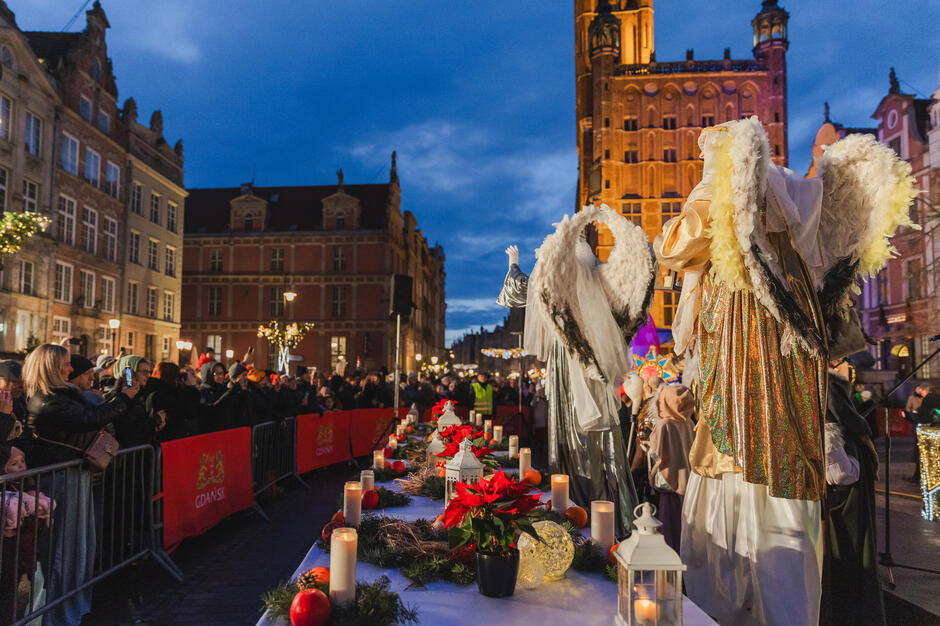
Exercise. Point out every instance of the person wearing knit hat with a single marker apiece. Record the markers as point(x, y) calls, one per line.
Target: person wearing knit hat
point(83, 377)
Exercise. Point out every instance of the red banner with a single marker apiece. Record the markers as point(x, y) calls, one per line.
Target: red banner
point(900, 427)
point(511, 421)
point(205, 479)
point(322, 441)
point(367, 425)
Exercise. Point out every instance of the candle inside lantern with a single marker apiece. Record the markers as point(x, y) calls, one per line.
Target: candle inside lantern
point(602, 524)
point(400, 430)
point(378, 459)
point(645, 611)
point(560, 493)
point(525, 461)
point(392, 442)
point(497, 433)
point(367, 478)
point(343, 544)
point(488, 426)
point(352, 503)
point(513, 446)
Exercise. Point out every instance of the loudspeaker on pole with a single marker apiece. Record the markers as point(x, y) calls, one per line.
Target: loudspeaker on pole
point(400, 302)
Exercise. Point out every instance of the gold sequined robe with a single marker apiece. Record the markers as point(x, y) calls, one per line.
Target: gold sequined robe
point(759, 409)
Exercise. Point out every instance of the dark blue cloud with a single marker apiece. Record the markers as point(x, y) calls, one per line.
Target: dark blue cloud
point(477, 97)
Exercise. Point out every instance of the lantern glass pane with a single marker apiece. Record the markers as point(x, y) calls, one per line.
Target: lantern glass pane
point(644, 601)
point(623, 593)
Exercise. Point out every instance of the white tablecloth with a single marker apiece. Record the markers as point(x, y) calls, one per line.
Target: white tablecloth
point(580, 598)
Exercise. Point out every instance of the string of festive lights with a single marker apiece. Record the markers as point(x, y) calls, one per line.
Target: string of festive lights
point(15, 228)
point(504, 353)
point(288, 337)
point(928, 441)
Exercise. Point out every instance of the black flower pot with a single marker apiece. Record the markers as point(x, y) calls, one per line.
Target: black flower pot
point(496, 573)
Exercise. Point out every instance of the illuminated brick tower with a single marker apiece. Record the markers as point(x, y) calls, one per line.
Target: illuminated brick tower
point(638, 120)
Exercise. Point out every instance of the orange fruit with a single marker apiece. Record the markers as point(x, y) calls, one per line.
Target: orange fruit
point(610, 554)
point(533, 477)
point(338, 518)
point(577, 516)
point(320, 574)
point(388, 465)
point(410, 429)
point(441, 471)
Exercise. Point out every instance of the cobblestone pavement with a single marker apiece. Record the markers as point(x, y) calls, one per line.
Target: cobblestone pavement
point(227, 569)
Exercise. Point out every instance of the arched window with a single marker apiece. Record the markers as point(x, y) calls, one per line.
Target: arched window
point(729, 112)
point(96, 70)
point(6, 57)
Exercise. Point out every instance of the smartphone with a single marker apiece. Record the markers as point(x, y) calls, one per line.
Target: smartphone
point(251, 349)
point(75, 341)
point(128, 377)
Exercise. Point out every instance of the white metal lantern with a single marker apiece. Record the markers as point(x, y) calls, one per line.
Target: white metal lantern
point(412, 416)
point(463, 468)
point(449, 418)
point(649, 575)
point(435, 447)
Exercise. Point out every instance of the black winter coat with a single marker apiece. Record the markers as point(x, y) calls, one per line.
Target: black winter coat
point(65, 416)
point(162, 396)
point(221, 405)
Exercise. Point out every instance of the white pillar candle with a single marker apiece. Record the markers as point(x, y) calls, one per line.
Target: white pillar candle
point(560, 493)
point(513, 446)
point(472, 418)
point(367, 478)
point(400, 430)
point(392, 442)
point(378, 459)
point(343, 544)
point(352, 503)
point(497, 433)
point(488, 426)
point(602, 524)
point(525, 461)
point(645, 611)
point(477, 419)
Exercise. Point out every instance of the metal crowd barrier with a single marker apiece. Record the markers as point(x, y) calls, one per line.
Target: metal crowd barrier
point(65, 528)
point(274, 453)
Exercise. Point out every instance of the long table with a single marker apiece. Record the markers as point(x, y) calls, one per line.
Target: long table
point(579, 598)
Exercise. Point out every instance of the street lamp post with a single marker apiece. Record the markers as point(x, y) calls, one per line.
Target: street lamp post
point(283, 357)
point(180, 347)
point(114, 323)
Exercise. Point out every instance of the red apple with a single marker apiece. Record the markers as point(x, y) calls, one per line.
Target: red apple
point(311, 607)
point(370, 499)
point(398, 466)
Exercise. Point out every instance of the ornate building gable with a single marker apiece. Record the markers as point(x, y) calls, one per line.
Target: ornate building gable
point(341, 211)
point(248, 211)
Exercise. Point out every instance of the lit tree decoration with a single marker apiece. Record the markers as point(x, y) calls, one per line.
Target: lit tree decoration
point(284, 339)
point(15, 228)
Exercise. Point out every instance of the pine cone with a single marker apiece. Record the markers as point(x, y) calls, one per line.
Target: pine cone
point(307, 580)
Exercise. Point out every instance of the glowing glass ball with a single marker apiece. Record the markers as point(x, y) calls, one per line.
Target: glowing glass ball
point(531, 571)
point(555, 552)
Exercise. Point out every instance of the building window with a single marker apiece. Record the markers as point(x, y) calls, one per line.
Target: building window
point(606, 154)
point(69, 159)
point(6, 57)
point(669, 122)
point(137, 199)
point(65, 224)
point(33, 135)
point(895, 144)
point(913, 274)
point(171, 209)
point(607, 184)
point(133, 248)
point(669, 155)
point(170, 268)
point(84, 108)
point(337, 351)
point(606, 122)
point(151, 301)
point(631, 156)
point(30, 195)
point(276, 303)
point(155, 208)
point(3, 189)
point(777, 116)
point(169, 306)
point(215, 261)
point(63, 283)
point(670, 210)
point(26, 277)
point(339, 259)
point(89, 230)
point(215, 301)
point(6, 117)
point(340, 221)
point(92, 167)
point(708, 120)
point(633, 211)
point(61, 329)
point(153, 255)
point(104, 122)
point(150, 347)
point(109, 234)
point(630, 123)
point(670, 300)
point(881, 284)
point(112, 183)
point(214, 342)
point(166, 347)
point(130, 340)
point(107, 294)
point(926, 371)
point(133, 293)
point(96, 70)
point(339, 302)
point(277, 259)
point(86, 289)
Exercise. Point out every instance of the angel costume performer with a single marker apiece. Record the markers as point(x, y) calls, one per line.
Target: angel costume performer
point(580, 317)
point(769, 258)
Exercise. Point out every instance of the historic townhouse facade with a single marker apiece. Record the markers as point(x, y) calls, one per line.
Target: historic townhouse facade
point(73, 155)
point(335, 246)
point(638, 119)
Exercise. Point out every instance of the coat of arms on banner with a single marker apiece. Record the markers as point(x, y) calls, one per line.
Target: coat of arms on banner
point(325, 435)
point(211, 470)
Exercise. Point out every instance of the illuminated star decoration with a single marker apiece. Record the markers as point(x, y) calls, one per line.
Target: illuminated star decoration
point(653, 365)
